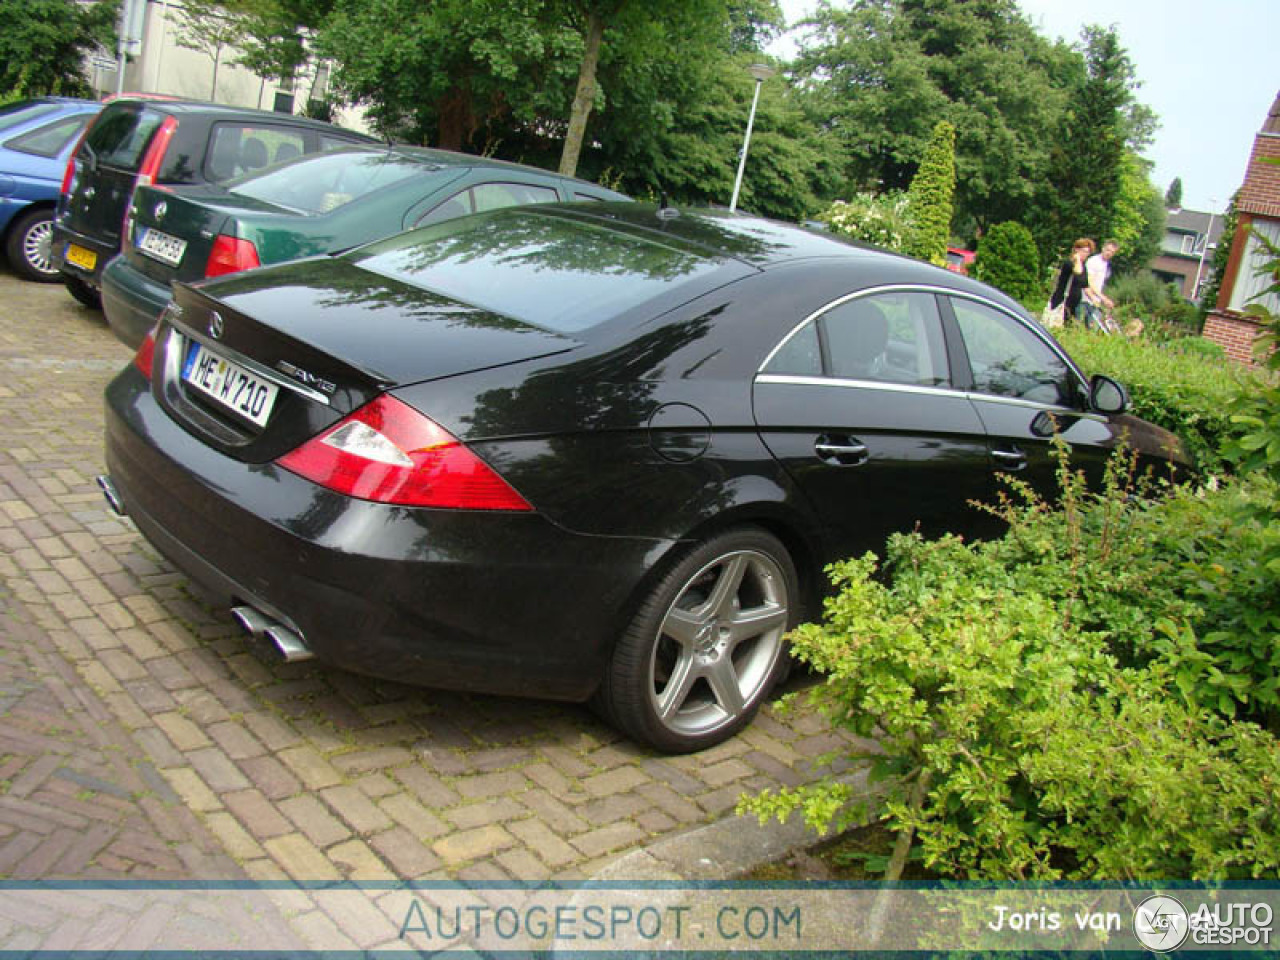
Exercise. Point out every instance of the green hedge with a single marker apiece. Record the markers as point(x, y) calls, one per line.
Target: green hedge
point(1087, 698)
point(1186, 391)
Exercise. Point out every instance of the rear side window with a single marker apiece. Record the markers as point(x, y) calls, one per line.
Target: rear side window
point(120, 136)
point(1008, 360)
point(49, 140)
point(489, 196)
point(236, 149)
point(888, 337)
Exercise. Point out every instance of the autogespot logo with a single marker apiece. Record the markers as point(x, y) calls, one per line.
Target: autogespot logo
point(1161, 923)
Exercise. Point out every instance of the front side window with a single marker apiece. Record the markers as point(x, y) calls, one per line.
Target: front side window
point(1009, 360)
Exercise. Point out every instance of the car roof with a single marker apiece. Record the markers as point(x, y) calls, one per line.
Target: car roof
point(436, 158)
point(768, 245)
point(165, 104)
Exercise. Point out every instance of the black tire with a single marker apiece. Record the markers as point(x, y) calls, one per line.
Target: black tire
point(706, 646)
point(30, 246)
point(82, 292)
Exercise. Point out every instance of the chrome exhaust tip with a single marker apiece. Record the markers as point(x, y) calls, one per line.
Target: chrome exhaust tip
point(113, 496)
point(251, 621)
point(288, 643)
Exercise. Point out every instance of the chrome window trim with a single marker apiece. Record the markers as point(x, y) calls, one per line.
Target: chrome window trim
point(184, 334)
point(888, 386)
point(799, 380)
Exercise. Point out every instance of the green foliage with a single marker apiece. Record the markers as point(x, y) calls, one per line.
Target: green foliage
point(43, 44)
point(883, 221)
point(1175, 389)
point(1068, 693)
point(1007, 259)
point(1217, 267)
point(1141, 295)
point(1085, 172)
point(1138, 218)
point(930, 197)
point(879, 77)
point(1173, 196)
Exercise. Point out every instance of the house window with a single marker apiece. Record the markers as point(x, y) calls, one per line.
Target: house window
point(1188, 243)
point(1252, 278)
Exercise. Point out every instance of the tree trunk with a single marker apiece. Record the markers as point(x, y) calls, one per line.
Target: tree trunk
point(585, 98)
point(217, 56)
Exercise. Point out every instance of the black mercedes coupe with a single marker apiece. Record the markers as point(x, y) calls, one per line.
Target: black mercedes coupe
point(590, 451)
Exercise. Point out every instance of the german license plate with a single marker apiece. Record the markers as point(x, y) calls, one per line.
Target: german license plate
point(161, 246)
point(80, 257)
point(229, 384)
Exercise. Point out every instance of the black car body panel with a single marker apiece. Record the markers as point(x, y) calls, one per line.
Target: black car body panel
point(715, 388)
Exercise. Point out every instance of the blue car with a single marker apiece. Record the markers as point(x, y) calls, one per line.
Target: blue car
point(36, 140)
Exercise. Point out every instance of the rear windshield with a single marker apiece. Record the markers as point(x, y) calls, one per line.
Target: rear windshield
point(559, 274)
point(328, 181)
point(121, 135)
point(16, 113)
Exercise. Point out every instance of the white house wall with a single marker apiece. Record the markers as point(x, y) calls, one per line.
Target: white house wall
point(163, 66)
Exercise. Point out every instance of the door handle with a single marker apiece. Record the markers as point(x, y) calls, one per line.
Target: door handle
point(1009, 459)
point(841, 451)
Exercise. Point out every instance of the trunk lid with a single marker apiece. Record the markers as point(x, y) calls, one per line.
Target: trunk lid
point(316, 339)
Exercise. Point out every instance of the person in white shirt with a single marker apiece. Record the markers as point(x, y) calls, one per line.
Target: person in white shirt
point(1096, 303)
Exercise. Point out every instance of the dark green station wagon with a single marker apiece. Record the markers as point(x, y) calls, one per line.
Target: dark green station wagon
point(312, 205)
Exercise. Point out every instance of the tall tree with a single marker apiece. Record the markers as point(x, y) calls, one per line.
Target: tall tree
point(1084, 182)
point(43, 44)
point(1173, 196)
point(880, 74)
point(930, 197)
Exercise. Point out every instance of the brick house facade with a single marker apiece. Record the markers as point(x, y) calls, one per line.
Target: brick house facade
point(1258, 207)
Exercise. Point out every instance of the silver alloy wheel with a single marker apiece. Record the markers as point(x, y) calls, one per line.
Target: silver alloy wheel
point(37, 247)
point(718, 643)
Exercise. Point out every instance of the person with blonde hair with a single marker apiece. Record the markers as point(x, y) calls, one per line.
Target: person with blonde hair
point(1073, 279)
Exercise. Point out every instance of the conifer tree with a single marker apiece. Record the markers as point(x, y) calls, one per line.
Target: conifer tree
point(930, 196)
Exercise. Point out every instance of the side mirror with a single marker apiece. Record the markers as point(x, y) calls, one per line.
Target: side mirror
point(1107, 396)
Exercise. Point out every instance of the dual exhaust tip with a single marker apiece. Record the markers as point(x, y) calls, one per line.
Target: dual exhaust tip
point(288, 643)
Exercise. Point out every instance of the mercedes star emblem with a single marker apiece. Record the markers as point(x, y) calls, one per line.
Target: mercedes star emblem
point(215, 325)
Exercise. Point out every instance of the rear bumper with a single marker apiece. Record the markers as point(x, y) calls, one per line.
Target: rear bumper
point(487, 602)
point(131, 301)
point(63, 238)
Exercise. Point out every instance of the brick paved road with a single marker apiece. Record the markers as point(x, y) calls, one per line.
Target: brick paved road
point(141, 735)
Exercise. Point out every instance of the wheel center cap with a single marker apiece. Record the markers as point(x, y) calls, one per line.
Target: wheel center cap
point(707, 635)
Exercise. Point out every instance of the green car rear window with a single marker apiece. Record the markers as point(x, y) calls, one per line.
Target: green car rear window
point(328, 181)
point(559, 274)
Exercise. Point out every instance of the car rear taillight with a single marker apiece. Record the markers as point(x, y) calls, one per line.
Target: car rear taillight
point(146, 354)
point(388, 452)
point(148, 170)
point(231, 255)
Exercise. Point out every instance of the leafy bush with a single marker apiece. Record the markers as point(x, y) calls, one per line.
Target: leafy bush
point(1141, 296)
point(883, 221)
point(1008, 259)
point(1057, 704)
point(1184, 393)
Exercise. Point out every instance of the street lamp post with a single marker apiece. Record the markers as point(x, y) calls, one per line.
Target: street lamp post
point(761, 72)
